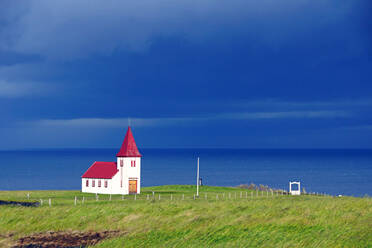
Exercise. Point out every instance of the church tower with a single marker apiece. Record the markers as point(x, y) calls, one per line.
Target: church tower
point(129, 165)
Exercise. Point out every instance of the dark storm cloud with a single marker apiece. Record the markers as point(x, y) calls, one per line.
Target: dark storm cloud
point(73, 29)
point(278, 73)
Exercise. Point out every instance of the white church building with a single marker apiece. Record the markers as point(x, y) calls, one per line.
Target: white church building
point(120, 177)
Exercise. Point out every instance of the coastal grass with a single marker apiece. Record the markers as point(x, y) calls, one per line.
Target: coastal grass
point(220, 217)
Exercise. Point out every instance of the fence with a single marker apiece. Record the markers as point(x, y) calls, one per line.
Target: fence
point(159, 196)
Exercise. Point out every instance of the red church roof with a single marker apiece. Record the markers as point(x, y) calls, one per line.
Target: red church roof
point(129, 147)
point(104, 170)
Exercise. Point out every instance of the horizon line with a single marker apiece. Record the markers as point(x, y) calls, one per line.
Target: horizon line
point(176, 148)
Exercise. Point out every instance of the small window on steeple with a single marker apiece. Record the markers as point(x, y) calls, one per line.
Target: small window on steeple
point(133, 163)
point(121, 163)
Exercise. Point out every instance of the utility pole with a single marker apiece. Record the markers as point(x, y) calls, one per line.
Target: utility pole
point(197, 180)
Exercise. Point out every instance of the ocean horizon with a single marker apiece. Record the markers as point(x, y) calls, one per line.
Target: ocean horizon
point(330, 171)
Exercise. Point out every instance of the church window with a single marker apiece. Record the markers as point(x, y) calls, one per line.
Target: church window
point(105, 184)
point(87, 183)
point(133, 163)
point(121, 163)
point(99, 183)
point(93, 183)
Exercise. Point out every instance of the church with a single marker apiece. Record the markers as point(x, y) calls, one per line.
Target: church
point(120, 177)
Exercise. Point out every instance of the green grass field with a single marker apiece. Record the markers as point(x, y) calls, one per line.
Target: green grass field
point(238, 218)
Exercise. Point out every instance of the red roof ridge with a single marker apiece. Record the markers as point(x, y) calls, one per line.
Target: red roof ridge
point(128, 147)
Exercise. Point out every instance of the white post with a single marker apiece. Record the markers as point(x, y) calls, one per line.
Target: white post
point(122, 197)
point(50, 202)
point(241, 194)
point(217, 197)
point(83, 200)
point(75, 201)
point(194, 196)
point(28, 196)
point(147, 198)
point(197, 179)
point(183, 196)
point(41, 202)
point(229, 195)
point(159, 196)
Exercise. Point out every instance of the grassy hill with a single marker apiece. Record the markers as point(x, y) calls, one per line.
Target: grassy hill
point(220, 217)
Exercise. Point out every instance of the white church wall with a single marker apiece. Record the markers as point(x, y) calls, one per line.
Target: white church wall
point(96, 188)
point(130, 173)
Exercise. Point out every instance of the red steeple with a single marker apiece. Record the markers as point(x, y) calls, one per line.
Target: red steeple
point(129, 147)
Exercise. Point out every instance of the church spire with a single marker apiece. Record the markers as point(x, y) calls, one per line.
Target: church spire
point(129, 147)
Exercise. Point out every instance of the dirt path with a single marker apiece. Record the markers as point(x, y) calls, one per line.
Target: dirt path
point(64, 239)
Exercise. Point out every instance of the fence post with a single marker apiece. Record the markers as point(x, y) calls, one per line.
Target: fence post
point(83, 200)
point(251, 194)
point(194, 196)
point(28, 196)
point(147, 197)
point(110, 197)
point(122, 197)
point(135, 197)
point(217, 197)
point(50, 202)
point(159, 196)
point(241, 193)
point(41, 202)
point(183, 196)
point(75, 201)
point(96, 197)
point(229, 195)
point(272, 193)
point(223, 195)
point(267, 193)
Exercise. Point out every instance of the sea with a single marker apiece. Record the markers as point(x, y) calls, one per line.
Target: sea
point(333, 172)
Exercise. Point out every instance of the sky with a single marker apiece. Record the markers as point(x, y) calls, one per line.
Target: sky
point(186, 74)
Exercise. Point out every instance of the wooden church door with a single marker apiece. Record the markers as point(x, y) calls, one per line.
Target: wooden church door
point(132, 186)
